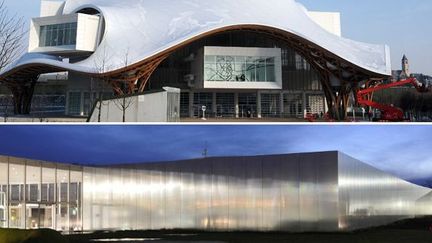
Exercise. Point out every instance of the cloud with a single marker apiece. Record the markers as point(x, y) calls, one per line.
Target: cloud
point(401, 150)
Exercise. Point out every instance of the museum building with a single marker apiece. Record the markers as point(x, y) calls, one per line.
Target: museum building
point(323, 191)
point(236, 58)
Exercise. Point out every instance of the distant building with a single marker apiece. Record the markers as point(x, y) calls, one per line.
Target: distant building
point(405, 73)
point(424, 79)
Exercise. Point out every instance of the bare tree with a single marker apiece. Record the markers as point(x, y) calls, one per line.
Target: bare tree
point(101, 67)
point(125, 101)
point(12, 33)
point(5, 101)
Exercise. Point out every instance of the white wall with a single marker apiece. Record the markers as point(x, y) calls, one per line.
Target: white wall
point(330, 21)
point(152, 107)
point(87, 33)
point(51, 8)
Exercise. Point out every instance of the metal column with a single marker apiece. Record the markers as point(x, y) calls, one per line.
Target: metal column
point(236, 105)
point(191, 104)
point(281, 105)
point(259, 104)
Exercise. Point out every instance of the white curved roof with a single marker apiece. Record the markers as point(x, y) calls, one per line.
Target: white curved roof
point(143, 28)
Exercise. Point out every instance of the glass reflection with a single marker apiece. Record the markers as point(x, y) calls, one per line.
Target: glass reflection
point(319, 192)
point(239, 69)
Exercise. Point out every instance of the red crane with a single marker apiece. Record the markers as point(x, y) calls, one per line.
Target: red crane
point(388, 112)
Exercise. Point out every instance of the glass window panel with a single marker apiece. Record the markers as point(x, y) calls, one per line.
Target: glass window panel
point(46, 214)
point(239, 72)
point(210, 72)
point(32, 183)
point(62, 199)
point(42, 35)
point(44, 193)
point(260, 70)
point(270, 60)
point(33, 193)
point(16, 180)
point(61, 34)
point(48, 37)
point(48, 184)
point(240, 59)
point(74, 103)
point(73, 36)
point(239, 69)
point(15, 193)
point(250, 72)
point(75, 192)
point(270, 105)
point(3, 191)
point(210, 59)
point(270, 73)
point(58, 34)
point(54, 36)
point(63, 192)
point(33, 179)
point(67, 37)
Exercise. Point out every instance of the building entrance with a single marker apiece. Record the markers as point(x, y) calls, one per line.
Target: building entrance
point(247, 103)
point(293, 105)
point(270, 105)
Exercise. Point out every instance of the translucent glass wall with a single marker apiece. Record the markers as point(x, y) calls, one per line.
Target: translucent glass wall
point(291, 192)
point(369, 197)
point(37, 194)
point(299, 192)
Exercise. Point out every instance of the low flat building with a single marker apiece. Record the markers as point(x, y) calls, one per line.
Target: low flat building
point(325, 191)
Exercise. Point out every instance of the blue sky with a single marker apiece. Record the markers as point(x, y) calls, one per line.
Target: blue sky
point(401, 150)
point(404, 25)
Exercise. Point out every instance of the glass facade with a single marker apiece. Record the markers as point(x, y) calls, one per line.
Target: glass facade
point(298, 77)
point(58, 35)
point(74, 103)
point(36, 194)
point(239, 69)
point(325, 191)
point(297, 73)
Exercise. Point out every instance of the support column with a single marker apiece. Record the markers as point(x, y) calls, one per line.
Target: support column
point(25, 196)
point(191, 104)
point(304, 104)
point(259, 115)
point(8, 193)
point(326, 108)
point(281, 105)
point(236, 105)
point(214, 104)
point(67, 103)
point(82, 103)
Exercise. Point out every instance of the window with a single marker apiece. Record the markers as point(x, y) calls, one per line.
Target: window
point(239, 69)
point(74, 103)
point(58, 35)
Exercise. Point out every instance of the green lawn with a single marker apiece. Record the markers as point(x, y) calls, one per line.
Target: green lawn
point(31, 236)
point(375, 236)
point(407, 231)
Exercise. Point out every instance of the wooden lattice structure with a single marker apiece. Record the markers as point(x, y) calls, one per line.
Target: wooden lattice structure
point(339, 77)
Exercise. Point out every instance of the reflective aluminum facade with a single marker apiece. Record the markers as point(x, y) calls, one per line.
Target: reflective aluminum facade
point(326, 191)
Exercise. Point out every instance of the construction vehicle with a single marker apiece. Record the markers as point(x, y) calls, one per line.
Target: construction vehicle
point(389, 113)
